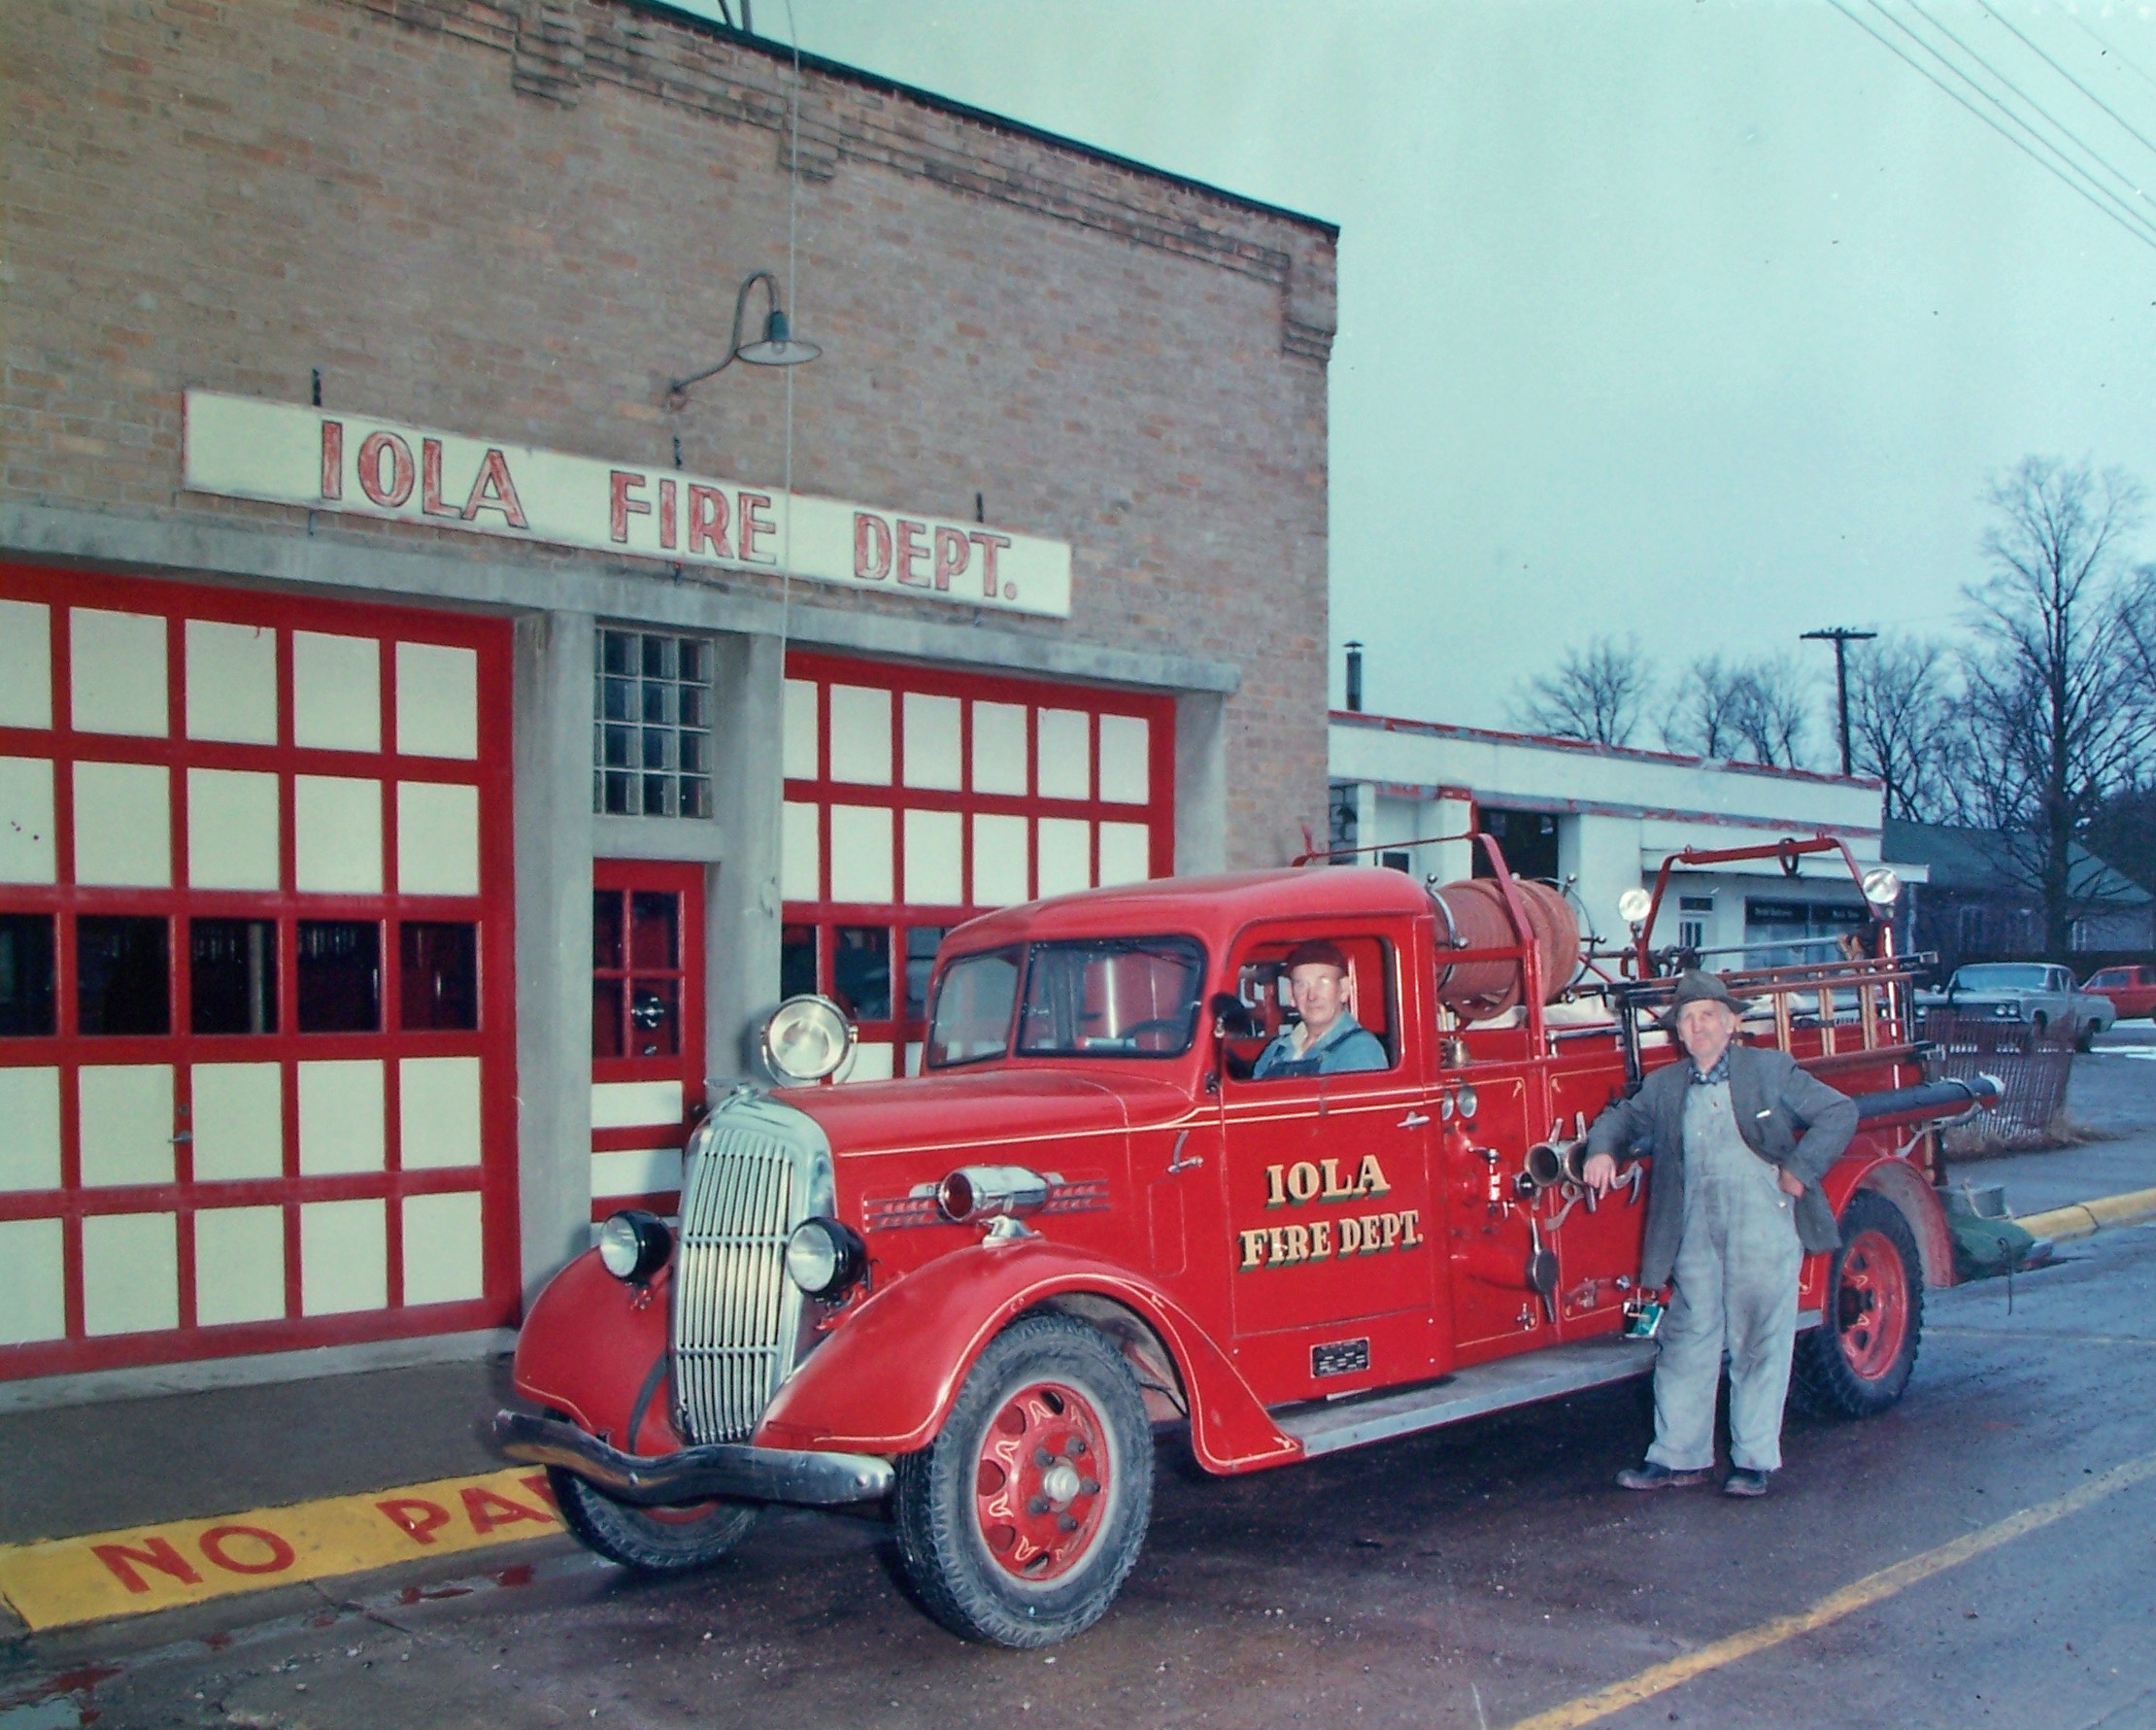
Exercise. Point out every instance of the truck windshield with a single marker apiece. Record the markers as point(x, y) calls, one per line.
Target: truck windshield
point(2000, 977)
point(1115, 997)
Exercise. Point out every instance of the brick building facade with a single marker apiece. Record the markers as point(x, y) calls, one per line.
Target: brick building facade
point(341, 977)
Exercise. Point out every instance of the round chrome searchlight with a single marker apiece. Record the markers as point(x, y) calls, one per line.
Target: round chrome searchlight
point(1881, 887)
point(633, 1245)
point(1633, 905)
point(807, 1039)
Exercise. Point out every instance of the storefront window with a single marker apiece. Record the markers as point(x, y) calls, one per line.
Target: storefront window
point(650, 735)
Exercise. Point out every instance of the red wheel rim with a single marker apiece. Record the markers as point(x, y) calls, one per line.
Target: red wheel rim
point(1041, 1485)
point(1873, 1304)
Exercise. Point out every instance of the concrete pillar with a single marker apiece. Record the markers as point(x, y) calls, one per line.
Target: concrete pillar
point(552, 749)
point(1201, 783)
point(741, 980)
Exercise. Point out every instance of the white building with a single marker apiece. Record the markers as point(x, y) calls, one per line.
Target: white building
point(1600, 818)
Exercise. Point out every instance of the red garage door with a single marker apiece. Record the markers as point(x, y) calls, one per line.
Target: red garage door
point(255, 1004)
point(916, 798)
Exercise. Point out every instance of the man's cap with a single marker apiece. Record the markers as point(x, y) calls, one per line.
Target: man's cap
point(1312, 953)
point(1698, 986)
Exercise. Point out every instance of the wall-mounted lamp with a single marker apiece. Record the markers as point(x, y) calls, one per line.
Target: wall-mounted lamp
point(778, 345)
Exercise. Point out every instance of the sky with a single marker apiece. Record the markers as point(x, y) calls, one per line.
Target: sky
point(1707, 321)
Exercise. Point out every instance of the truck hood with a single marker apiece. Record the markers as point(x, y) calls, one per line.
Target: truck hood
point(998, 1110)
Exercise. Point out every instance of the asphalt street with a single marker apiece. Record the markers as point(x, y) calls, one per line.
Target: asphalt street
point(1981, 1554)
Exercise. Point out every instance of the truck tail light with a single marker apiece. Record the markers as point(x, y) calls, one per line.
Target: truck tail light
point(974, 1192)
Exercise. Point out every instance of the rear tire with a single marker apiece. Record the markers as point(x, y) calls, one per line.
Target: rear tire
point(1858, 1361)
point(2087, 1041)
point(1019, 1523)
point(650, 1540)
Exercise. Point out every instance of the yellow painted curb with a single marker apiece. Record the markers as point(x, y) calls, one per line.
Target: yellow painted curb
point(2084, 1219)
point(65, 1580)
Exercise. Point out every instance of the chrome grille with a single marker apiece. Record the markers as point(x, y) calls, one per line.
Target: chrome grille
point(751, 1178)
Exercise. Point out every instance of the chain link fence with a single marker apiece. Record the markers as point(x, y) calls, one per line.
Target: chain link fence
point(2033, 1064)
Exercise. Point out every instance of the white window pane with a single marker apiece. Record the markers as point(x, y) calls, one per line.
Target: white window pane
point(231, 829)
point(800, 855)
point(1125, 853)
point(238, 1121)
point(336, 692)
point(126, 1123)
point(1065, 855)
point(1065, 767)
point(860, 735)
point(871, 1063)
point(800, 739)
point(999, 747)
point(30, 1129)
point(935, 858)
point(437, 837)
point(932, 756)
point(998, 860)
point(441, 1259)
point(636, 1104)
point(437, 1112)
point(635, 1171)
point(26, 852)
point(130, 1273)
point(33, 1295)
point(231, 681)
point(117, 672)
point(338, 844)
point(437, 700)
point(341, 1116)
point(1125, 759)
point(860, 854)
point(344, 1257)
point(25, 663)
point(239, 1265)
point(122, 823)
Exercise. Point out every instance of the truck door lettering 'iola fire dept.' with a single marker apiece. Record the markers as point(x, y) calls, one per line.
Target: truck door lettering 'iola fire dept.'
point(974, 1294)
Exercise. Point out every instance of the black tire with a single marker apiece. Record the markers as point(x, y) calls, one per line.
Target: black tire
point(2087, 1039)
point(1858, 1361)
point(650, 1540)
point(1048, 1399)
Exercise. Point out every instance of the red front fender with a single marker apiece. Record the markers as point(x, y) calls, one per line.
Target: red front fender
point(885, 1379)
point(589, 1345)
point(1893, 1176)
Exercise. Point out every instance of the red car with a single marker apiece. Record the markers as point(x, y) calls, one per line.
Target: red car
point(974, 1294)
point(2132, 989)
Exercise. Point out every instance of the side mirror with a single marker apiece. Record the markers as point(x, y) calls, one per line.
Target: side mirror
point(1232, 1018)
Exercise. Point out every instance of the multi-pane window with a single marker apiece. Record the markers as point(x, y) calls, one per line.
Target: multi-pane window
point(651, 733)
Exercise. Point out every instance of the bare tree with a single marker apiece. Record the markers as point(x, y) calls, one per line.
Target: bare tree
point(2059, 703)
point(1701, 721)
point(1776, 712)
point(1597, 694)
point(1902, 724)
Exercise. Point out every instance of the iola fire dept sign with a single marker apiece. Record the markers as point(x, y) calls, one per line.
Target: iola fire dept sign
point(325, 460)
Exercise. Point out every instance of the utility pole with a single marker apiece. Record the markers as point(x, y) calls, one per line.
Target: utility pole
point(1842, 636)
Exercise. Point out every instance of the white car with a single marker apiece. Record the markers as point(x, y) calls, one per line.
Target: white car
point(2032, 992)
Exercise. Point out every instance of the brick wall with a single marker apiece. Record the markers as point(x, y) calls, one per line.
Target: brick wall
point(521, 220)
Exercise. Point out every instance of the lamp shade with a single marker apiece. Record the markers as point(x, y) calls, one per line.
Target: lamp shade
point(779, 346)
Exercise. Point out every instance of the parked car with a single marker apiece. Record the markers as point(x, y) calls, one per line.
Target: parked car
point(2033, 992)
point(2131, 991)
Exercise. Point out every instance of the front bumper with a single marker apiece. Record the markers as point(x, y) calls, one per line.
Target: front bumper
point(724, 1469)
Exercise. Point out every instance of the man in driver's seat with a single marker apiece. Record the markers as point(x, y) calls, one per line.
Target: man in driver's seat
point(1326, 1041)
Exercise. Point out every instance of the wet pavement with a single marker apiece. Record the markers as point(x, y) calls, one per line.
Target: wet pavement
point(1486, 1576)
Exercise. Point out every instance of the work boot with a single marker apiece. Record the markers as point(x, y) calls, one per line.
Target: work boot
point(1653, 1475)
point(1744, 1481)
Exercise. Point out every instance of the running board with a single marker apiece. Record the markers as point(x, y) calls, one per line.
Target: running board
point(1516, 1380)
point(1495, 1386)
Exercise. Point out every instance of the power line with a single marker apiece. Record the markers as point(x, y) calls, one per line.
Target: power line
point(2093, 194)
point(2113, 52)
point(2134, 132)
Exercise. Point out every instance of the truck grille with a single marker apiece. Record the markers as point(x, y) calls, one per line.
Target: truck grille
point(735, 1311)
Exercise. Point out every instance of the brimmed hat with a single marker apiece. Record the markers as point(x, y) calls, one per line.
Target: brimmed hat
point(1697, 986)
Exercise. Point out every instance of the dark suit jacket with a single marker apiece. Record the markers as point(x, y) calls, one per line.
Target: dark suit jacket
point(1788, 1117)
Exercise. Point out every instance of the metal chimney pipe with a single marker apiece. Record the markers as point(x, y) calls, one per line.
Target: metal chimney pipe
point(1355, 677)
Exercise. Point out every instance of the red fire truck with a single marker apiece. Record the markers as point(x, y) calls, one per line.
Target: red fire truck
point(974, 1294)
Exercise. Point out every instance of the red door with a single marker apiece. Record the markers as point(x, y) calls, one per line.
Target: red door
point(647, 1030)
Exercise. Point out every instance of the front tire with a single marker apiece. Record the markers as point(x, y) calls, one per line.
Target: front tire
point(650, 1540)
point(1858, 1361)
point(2087, 1041)
point(1019, 1523)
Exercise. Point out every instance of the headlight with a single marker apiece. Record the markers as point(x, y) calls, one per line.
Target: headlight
point(824, 1256)
point(635, 1245)
point(807, 1039)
